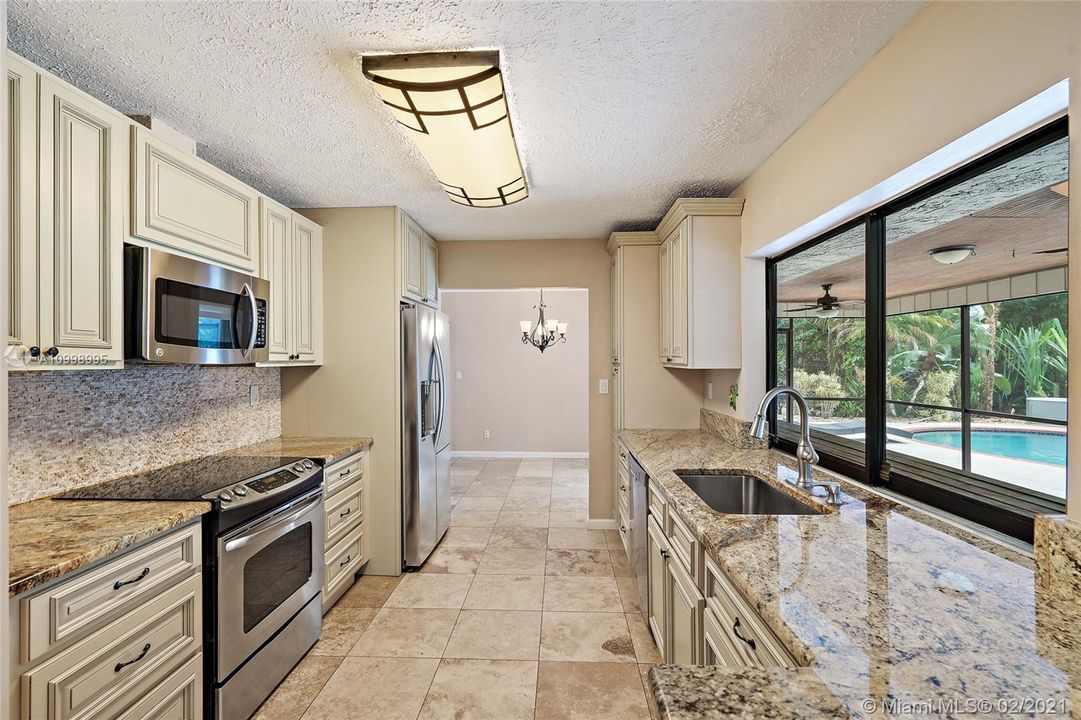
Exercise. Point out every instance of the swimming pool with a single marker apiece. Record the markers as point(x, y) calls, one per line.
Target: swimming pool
point(1038, 446)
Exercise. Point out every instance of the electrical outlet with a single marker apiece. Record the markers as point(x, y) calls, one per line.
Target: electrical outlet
point(709, 391)
point(487, 434)
point(253, 395)
point(603, 386)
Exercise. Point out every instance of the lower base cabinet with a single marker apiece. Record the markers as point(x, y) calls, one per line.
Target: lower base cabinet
point(695, 613)
point(121, 648)
point(346, 487)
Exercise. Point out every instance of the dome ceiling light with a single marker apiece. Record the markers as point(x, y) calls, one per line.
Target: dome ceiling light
point(952, 254)
point(455, 109)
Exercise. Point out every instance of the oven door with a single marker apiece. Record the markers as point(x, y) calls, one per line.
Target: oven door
point(268, 570)
point(195, 312)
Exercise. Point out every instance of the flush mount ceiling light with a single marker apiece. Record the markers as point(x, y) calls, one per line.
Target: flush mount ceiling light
point(543, 333)
point(455, 108)
point(952, 254)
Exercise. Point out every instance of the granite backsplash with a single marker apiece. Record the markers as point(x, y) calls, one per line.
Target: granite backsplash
point(730, 430)
point(73, 428)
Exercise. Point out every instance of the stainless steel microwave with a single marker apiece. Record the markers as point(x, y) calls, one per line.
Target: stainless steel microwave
point(178, 310)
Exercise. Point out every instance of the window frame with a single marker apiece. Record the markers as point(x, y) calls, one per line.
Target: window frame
point(958, 491)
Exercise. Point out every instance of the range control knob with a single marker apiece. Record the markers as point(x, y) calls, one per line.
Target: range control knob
point(225, 496)
point(240, 491)
point(299, 467)
point(308, 464)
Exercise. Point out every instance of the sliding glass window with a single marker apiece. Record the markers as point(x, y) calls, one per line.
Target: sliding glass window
point(956, 294)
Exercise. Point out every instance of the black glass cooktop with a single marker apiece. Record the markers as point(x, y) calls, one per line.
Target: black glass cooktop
point(185, 481)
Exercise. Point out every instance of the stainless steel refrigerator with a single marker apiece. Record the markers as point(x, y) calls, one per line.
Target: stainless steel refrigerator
point(425, 432)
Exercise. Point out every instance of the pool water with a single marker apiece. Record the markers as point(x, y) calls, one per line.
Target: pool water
point(1037, 446)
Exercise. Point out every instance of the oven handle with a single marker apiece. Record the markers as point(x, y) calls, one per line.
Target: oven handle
point(274, 522)
point(254, 319)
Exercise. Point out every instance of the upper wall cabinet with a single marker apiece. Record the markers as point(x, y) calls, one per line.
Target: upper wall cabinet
point(292, 256)
point(68, 198)
point(185, 203)
point(700, 303)
point(419, 261)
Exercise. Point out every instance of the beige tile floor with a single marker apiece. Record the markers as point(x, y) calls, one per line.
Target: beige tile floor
point(520, 613)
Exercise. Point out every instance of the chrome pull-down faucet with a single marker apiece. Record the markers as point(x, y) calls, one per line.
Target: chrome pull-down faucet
point(805, 452)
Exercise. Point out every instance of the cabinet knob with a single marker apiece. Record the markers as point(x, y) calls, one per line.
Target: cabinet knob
point(53, 351)
point(668, 359)
point(34, 351)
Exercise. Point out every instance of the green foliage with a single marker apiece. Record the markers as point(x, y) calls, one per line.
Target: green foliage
point(1021, 344)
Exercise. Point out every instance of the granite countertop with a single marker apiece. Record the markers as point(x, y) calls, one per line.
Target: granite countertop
point(881, 602)
point(50, 538)
point(327, 448)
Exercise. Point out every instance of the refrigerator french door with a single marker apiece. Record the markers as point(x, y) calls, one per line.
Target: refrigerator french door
point(425, 432)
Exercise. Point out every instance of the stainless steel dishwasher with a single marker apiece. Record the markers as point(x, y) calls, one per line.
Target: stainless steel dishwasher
point(639, 549)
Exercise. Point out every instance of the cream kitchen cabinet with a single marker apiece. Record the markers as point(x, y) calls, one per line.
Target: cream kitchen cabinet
point(292, 260)
point(699, 267)
point(184, 203)
point(346, 484)
point(675, 603)
point(658, 555)
point(121, 638)
point(418, 260)
point(68, 197)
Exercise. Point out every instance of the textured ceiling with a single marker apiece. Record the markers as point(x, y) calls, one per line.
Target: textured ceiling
point(618, 107)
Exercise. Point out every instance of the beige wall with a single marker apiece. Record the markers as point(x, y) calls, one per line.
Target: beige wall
point(552, 263)
point(356, 392)
point(954, 67)
point(528, 401)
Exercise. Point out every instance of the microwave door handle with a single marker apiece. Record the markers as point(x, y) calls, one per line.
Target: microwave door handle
point(254, 318)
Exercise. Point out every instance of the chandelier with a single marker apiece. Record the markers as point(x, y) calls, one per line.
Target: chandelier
point(543, 333)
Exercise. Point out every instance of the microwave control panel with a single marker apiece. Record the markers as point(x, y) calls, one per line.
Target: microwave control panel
point(260, 323)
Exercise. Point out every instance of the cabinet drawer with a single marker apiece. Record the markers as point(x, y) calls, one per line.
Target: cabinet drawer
point(183, 202)
point(624, 457)
point(344, 511)
point(658, 506)
point(109, 668)
point(685, 547)
point(342, 473)
point(717, 649)
point(626, 534)
point(344, 558)
point(178, 697)
point(624, 489)
point(70, 610)
point(743, 627)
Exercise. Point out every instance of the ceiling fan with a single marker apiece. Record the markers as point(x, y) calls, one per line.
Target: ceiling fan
point(826, 306)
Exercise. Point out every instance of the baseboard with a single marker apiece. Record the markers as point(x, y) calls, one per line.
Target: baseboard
point(517, 454)
point(601, 524)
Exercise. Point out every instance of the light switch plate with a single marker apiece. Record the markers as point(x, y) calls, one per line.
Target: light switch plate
point(709, 391)
point(458, 375)
point(253, 395)
point(604, 386)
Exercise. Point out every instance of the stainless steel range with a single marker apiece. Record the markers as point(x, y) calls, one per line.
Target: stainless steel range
point(262, 566)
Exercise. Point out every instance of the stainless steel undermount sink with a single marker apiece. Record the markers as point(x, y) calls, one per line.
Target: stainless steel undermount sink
point(744, 495)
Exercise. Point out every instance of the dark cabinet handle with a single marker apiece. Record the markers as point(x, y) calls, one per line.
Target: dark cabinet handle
point(623, 529)
point(735, 629)
point(345, 512)
point(623, 488)
point(121, 583)
point(664, 554)
point(345, 562)
point(121, 666)
point(345, 472)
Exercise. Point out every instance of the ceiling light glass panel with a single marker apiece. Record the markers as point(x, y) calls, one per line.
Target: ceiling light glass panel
point(455, 107)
